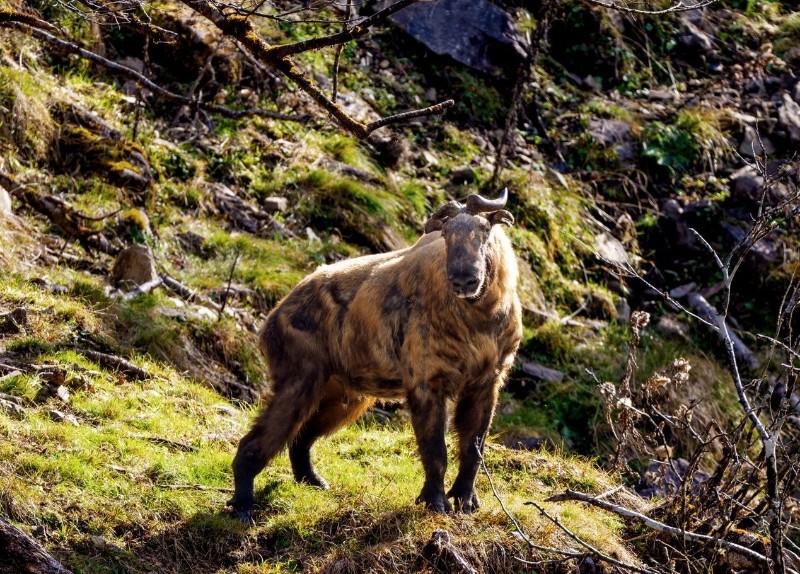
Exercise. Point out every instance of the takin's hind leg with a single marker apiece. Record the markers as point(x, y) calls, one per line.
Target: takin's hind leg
point(336, 410)
point(275, 427)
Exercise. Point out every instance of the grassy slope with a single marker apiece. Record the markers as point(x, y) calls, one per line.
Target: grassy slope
point(139, 483)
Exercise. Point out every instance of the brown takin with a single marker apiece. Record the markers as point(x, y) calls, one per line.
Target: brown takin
point(436, 322)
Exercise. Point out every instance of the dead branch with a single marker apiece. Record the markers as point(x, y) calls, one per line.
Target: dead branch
point(8, 16)
point(339, 50)
point(405, 116)
point(440, 553)
point(188, 294)
point(66, 217)
point(170, 443)
point(354, 33)
point(195, 487)
point(567, 553)
point(143, 288)
point(21, 553)
point(117, 363)
point(594, 551)
point(241, 29)
point(115, 14)
point(659, 526)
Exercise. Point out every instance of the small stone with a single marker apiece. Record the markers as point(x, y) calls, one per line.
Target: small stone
point(557, 176)
point(384, 64)
point(5, 202)
point(60, 417)
point(532, 443)
point(610, 249)
point(12, 409)
point(429, 158)
point(747, 188)
point(134, 266)
point(275, 203)
point(63, 394)
point(134, 225)
point(669, 325)
point(541, 372)
point(226, 410)
point(430, 95)
point(592, 83)
point(789, 118)
point(623, 311)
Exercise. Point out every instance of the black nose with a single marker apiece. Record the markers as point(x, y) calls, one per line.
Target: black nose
point(463, 283)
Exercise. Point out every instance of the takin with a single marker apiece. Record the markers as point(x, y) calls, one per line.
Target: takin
point(438, 321)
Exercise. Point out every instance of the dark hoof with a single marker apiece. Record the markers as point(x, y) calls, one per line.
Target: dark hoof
point(464, 501)
point(241, 512)
point(244, 516)
point(435, 502)
point(314, 480)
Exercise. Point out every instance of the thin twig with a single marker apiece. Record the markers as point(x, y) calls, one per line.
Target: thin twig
point(228, 288)
point(679, 6)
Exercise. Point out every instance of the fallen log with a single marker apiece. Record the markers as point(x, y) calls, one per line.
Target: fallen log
point(706, 310)
point(117, 363)
point(19, 553)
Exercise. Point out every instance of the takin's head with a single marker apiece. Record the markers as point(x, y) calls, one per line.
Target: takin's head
point(466, 230)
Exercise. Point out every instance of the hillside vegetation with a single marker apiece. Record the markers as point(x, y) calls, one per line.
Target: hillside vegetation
point(120, 411)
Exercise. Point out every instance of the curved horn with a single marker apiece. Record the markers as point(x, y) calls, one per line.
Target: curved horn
point(477, 204)
point(448, 210)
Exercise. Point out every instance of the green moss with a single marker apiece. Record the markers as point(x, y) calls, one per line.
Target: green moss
point(361, 213)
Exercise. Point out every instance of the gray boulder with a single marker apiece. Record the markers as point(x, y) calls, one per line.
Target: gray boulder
point(475, 33)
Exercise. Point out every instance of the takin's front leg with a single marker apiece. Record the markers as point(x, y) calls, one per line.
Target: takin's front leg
point(472, 418)
point(428, 416)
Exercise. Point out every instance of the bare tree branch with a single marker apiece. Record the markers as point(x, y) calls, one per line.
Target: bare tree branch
point(679, 6)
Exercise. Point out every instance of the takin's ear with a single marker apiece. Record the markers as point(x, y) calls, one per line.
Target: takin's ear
point(501, 216)
point(434, 224)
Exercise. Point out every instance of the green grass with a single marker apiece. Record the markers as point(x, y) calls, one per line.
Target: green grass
point(107, 477)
